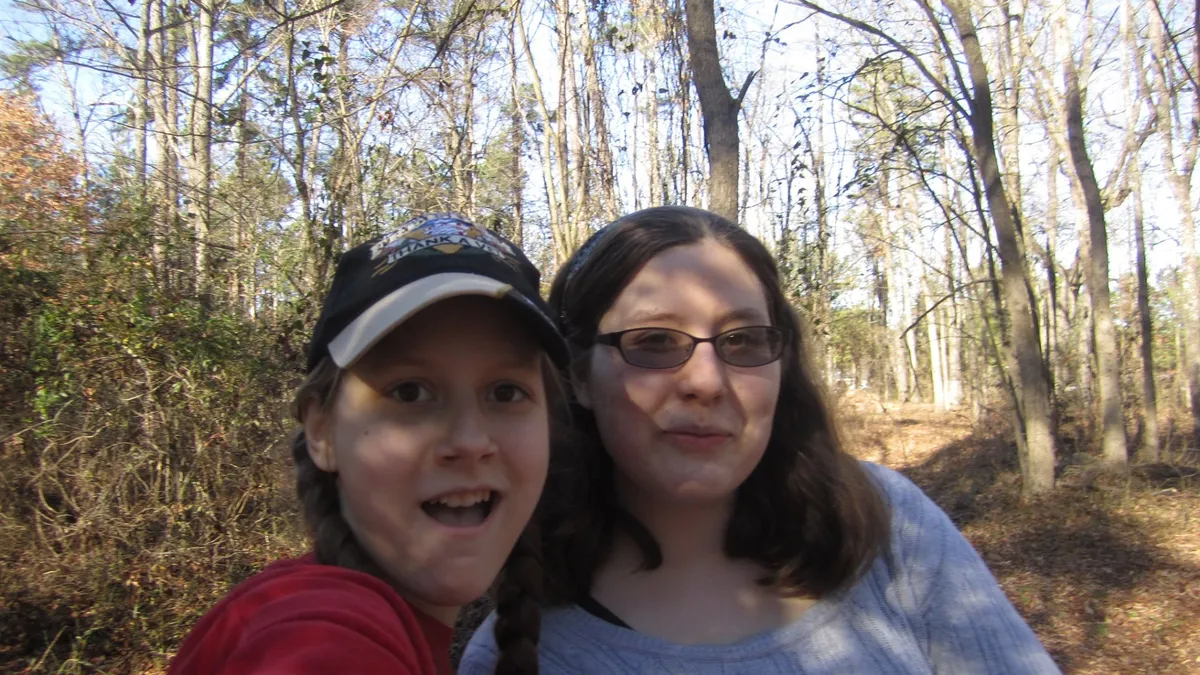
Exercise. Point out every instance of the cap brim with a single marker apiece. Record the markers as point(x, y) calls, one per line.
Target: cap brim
point(401, 304)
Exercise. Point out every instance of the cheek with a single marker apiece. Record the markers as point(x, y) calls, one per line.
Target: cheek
point(379, 455)
point(623, 396)
point(767, 396)
point(526, 443)
point(759, 397)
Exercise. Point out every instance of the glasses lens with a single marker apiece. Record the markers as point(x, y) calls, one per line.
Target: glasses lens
point(656, 347)
point(750, 346)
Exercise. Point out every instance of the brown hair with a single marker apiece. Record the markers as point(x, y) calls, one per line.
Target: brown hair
point(808, 513)
point(520, 580)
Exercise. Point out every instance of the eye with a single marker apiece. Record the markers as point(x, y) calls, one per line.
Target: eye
point(735, 339)
point(411, 391)
point(507, 392)
point(653, 339)
point(743, 338)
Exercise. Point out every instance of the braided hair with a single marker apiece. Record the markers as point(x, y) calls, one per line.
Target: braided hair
point(518, 595)
point(518, 590)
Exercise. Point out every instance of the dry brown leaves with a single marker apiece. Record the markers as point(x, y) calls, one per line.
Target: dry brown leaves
point(1106, 570)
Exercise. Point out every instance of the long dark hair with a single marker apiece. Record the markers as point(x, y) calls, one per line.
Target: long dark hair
point(808, 513)
point(520, 580)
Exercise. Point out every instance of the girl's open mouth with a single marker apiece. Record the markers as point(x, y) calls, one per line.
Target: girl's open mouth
point(462, 510)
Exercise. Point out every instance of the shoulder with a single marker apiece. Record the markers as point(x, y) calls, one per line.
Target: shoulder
point(300, 590)
point(912, 511)
point(893, 485)
point(922, 538)
point(298, 611)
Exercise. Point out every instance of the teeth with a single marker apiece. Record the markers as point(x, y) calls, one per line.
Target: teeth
point(464, 499)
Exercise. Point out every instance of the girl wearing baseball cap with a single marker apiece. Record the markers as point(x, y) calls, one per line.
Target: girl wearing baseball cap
point(426, 422)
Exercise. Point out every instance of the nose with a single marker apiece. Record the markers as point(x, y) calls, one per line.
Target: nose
point(469, 439)
point(703, 376)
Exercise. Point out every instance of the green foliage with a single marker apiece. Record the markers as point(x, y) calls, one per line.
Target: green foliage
point(25, 59)
point(853, 340)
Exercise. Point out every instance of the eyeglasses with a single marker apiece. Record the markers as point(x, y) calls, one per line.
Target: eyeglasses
point(658, 348)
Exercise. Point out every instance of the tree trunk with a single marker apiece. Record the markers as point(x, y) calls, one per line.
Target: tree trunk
point(653, 148)
point(516, 147)
point(936, 368)
point(953, 330)
point(150, 94)
point(581, 210)
point(552, 147)
point(299, 159)
point(604, 159)
point(562, 124)
point(718, 108)
point(1108, 365)
point(1135, 86)
point(822, 301)
point(1178, 172)
point(1053, 337)
point(201, 209)
point(684, 91)
point(166, 129)
point(244, 219)
point(1034, 433)
point(142, 109)
point(1149, 449)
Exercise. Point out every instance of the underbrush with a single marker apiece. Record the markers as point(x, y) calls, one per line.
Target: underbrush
point(143, 440)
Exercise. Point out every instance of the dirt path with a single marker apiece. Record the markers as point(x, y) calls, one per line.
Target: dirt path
point(1106, 571)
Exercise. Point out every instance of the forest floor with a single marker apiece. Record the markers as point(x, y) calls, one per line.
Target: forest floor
point(1106, 569)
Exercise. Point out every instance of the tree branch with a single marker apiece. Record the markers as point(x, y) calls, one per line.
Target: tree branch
point(737, 100)
point(872, 30)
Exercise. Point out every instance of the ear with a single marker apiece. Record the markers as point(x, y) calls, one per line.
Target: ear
point(318, 435)
point(579, 383)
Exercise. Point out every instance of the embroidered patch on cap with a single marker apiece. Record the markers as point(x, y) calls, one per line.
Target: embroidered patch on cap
point(445, 233)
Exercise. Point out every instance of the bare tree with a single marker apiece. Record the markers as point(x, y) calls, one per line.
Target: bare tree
point(718, 107)
point(1180, 144)
point(1107, 360)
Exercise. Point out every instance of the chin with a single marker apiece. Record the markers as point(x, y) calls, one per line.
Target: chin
point(703, 494)
point(453, 592)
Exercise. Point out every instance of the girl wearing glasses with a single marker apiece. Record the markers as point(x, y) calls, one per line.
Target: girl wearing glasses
point(707, 519)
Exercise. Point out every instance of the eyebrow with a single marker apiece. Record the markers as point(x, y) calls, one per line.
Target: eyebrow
point(743, 314)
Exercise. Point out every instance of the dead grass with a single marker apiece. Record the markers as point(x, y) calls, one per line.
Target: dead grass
point(1106, 570)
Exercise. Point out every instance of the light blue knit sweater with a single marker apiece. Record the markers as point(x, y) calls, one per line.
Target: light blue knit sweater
point(927, 605)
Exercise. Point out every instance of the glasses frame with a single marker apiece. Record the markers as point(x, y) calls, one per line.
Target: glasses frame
point(614, 340)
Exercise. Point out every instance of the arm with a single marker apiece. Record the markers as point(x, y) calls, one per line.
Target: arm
point(966, 622)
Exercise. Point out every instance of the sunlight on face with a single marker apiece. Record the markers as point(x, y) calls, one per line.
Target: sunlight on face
point(440, 439)
point(694, 432)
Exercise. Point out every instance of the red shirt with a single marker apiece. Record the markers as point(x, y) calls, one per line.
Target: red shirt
point(297, 617)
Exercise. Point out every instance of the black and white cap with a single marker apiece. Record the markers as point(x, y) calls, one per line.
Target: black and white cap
point(383, 282)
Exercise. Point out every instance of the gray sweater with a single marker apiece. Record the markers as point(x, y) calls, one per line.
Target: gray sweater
point(928, 604)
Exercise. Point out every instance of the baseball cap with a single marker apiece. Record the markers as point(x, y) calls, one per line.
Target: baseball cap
point(383, 282)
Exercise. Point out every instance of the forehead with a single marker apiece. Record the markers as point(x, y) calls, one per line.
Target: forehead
point(462, 328)
point(704, 282)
